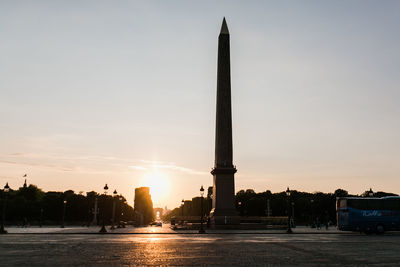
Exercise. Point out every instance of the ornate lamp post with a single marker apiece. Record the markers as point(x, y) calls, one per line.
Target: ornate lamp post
point(294, 226)
point(289, 228)
point(113, 211)
point(63, 216)
point(183, 205)
point(41, 217)
point(268, 208)
point(312, 212)
point(201, 231)
point(3, 217)
point(103, 227)
point(120, 211)
point(370, 192)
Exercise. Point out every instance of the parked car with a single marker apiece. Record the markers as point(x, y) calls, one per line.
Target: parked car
point(156, 223)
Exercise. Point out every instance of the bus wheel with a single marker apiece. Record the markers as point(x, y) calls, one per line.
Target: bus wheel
point(380, 229)
point(368, 232)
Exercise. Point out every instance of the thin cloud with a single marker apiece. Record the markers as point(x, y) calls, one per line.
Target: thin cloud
point(62, 168)
point(77, 163)
point(172, 166)
point(141, 168)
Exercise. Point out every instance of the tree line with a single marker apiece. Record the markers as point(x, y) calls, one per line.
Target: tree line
point(29, 205)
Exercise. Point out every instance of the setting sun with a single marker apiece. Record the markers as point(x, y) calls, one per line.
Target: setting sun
point(159, 186)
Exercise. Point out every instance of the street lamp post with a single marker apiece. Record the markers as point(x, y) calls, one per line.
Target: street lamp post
point(41, 217)
point(289, 228)
point(103, 227)
point(312, 212)
point(113, 211)
point(120, 211)
point(183, 205)
point(63, 215)
point(89, 217)
point(201, 231)
point(3, 217)
point(293, 214)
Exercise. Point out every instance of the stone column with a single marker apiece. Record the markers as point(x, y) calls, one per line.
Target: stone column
point(223, 211)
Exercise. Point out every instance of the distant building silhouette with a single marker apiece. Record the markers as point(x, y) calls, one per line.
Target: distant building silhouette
point(143, 207)
point(193, 207)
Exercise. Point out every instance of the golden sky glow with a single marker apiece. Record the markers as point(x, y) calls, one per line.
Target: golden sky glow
point(160, 186)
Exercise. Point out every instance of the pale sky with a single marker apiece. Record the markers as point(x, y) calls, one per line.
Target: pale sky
point(124, 92)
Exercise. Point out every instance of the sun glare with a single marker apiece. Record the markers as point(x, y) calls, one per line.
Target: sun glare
point(159, 186)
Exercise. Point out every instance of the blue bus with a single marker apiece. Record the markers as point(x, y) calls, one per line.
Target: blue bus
point(368, 215)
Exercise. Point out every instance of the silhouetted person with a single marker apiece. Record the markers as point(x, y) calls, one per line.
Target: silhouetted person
point(326, 220)
point(25, 222)
point(318, 223)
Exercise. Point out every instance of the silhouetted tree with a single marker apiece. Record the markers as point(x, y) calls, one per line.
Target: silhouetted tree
point(340, 193)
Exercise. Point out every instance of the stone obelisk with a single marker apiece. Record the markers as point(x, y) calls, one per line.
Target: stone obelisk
point(223, 205)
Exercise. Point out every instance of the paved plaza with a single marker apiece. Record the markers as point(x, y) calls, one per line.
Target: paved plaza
point(165, 229)
point(224, 248)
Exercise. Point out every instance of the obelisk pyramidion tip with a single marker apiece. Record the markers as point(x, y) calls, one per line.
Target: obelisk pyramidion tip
point(224, 27)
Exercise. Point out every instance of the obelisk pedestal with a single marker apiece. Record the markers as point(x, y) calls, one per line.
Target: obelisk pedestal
point(223, 211)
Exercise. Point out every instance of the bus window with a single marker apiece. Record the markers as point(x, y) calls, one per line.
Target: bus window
point(359, 204)
point(343, 203)
point(391, 204)
point(375, 204)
